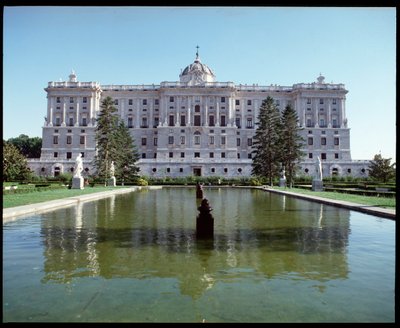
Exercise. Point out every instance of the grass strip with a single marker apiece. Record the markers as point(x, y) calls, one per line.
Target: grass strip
point(12, 200)
point(385, 202)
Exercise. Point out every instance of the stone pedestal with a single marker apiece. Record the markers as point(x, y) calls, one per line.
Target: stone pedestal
point(112, 182)
point(282, 182)
point(205, 226)
point(317, 185)
point(77, 183)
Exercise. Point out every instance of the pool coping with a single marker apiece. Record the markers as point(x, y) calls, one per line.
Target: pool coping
point(13, 213)
point(369, 209)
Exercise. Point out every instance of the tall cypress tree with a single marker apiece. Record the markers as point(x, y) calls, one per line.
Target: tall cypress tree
point(291, 143)
point(127, 154)
point(107, 123)
point(266, 147)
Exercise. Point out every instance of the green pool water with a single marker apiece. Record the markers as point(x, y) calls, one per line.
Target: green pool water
point(135, 258)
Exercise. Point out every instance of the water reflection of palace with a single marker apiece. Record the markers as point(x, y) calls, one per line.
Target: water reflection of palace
point(134, 237)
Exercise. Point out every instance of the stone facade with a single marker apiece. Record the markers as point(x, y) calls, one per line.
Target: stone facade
point(196, 126)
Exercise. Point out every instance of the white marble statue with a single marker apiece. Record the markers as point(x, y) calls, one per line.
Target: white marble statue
point(78, 166)
point(112, 169)
point(318, 168)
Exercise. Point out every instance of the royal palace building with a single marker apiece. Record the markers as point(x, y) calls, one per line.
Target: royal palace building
point(194, 126)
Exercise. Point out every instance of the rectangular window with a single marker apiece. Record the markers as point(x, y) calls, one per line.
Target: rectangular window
point(55, 140)
point(197, 120)
point(309, 124)
point(55, 154)
point(211, 155)
point(71, 121)
point(156, 102)
point(170, 140)
point(155, 141)
point(84, 121)
point(182, 140)
point(237, 121)
point(144, 122)
point(323, 155)
point(249, 123)
point(211, 140)
point(249, 141)
point(144, 141)
point(310, 141)
point(171, 99)
point(180, 169)
point(58, 121)
point(223, 140)
point(82, 140)
point(323, 141)
point(84, 100)
point(309, 101)
point(156, 121)
point(69, 140)
point(130, 102)
point(130, 122)
point(334, 101)
point(336, 141)
point(171, 120)
point(171, 154)
point(223, 122)
point(182, 155)
point(222, 155)
point(237, 102)
point(197, 140)
point(238, 142)
point(183, 120)
point(58, 100)
point(144, 102)
point(69, 155)
point(211, 120)
point(248, 102)
point(222, 99)
point(310, 155)
point(143, 155)
point(336, 155)
point(71, 100)
point(238, 155)
point(197, 155)
point(168, 169)
point(249, 156)
point(116, 102)
point(321, 101)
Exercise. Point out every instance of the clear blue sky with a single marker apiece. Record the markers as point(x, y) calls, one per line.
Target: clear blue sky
point(264, 45)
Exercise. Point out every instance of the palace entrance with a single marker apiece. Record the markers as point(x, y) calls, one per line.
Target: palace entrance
point(197, 171)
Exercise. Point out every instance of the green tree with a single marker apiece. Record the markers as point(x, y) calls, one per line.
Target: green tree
point(291, 143)
point(29, 147)
point(106, 151)
point(381, 170)
point(15, 165)
point(266, 142)
point(127, 154)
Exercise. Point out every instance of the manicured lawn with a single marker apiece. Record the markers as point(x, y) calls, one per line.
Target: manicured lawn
point(19, 199)
point(359, 199)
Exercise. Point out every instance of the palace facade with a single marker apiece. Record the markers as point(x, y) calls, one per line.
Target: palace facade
point(194, 126)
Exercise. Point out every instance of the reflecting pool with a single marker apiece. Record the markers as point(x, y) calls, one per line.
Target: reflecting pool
point(135, 258)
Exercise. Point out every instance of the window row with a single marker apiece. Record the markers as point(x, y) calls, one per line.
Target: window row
point(68, 155)
point(196, 140)
point(72, 100)
point(71, 121)
point(310, 141)
point(323, 156)
point(321, 101)
point(196, 155)
point(82, 140)
point(212, 170)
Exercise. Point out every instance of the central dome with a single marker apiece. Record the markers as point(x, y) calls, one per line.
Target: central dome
point(197, 73)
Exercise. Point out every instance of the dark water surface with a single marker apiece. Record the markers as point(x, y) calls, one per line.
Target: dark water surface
point(135, 258)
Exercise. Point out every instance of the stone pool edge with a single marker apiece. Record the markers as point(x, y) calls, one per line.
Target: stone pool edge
point(368, 209)
point(14, 213)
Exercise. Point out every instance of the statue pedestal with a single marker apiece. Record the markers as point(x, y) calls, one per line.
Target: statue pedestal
point(111, 182)
point(77, 183)
point(282, 182)
point(204, 226)
point(317, 185)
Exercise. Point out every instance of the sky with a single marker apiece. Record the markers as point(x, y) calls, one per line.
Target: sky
point(244, 45)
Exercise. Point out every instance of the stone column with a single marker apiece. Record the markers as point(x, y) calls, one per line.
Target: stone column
point(151, 112)
point(189, 105)
point(63, 111)
point(177, 110)
point(230, 111)
point(243, 113)
point(50, 109)
point(342, 113)
point(137, 113)
point(329, 118)
point(217, 114)
point(77, 112)
point(315, 112)
point(205, 111)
